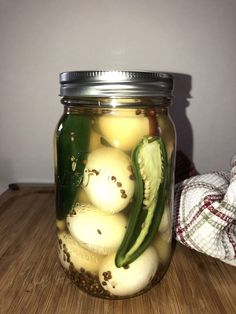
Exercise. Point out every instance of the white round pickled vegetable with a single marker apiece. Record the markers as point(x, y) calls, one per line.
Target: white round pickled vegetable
point(108, 179)
point(97, 231)
point(123, 132)
point(71, 253)
point(131, 279)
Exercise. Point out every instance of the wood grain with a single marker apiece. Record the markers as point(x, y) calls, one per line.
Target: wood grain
point(32, 281)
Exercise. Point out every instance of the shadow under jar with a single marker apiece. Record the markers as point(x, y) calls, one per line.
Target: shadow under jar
point(114, 166)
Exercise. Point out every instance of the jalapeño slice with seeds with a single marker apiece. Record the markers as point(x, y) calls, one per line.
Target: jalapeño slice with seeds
point(150, 166)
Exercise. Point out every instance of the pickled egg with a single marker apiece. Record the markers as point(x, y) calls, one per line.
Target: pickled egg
point(108, 179)
point(123, 132)
point(61, 224)
point(97, 231)
point(163, 248)
point(165, 220)
point(125, 281)
point(81, 196)
point(94, 141)
point(167, 132)
point(71, 253)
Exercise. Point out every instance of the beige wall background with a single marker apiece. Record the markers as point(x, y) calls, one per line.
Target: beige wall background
point(39, 39)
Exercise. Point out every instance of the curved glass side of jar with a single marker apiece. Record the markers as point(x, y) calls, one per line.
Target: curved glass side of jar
point(114, 187)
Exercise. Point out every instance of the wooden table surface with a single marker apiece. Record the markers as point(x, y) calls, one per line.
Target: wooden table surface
point(32, 281)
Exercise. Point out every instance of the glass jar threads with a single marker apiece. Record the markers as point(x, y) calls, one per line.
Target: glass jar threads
point(114, 166)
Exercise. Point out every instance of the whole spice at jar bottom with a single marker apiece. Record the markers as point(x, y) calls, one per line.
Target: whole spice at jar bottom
point(87, 282)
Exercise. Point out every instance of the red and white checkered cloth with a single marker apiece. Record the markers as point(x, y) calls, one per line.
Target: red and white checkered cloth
point(205, 213)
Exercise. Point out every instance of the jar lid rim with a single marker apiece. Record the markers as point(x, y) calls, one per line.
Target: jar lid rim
point(116, 83)
point(113, 75)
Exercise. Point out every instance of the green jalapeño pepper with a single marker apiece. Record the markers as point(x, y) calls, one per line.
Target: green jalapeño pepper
point(72, 140)
point(150, 166)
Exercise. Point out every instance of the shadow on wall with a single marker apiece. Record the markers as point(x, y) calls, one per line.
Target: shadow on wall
point(6, 171)
point(182, 88)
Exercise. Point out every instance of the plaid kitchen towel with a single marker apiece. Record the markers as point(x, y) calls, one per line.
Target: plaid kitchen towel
point(205, 213)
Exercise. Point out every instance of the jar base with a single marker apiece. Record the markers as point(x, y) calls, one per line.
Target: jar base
point(88, 283)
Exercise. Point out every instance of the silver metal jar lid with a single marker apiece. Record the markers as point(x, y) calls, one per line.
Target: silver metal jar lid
point(115, 84)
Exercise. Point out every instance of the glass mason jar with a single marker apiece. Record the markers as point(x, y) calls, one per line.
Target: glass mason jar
point(114, 166)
